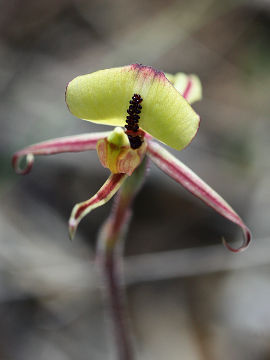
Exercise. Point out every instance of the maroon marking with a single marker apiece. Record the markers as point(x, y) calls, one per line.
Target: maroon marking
point(66, 95)
point(147, 71)
point(187, 89)
point(100, 195)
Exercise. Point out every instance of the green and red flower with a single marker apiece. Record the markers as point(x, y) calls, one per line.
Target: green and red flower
point(144, 105)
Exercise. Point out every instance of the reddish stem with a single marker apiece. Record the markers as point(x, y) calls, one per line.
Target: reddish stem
point(110, 256)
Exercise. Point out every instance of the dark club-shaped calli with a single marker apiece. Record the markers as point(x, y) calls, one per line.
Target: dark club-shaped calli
point(149, 104)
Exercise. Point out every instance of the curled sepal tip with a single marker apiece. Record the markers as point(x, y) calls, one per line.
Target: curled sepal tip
point(73, 143)
point(245, 243)
point(17, 161)
point(104, 194)
point(190, 181)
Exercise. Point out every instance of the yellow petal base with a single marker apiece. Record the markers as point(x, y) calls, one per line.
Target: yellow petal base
point(120, 159)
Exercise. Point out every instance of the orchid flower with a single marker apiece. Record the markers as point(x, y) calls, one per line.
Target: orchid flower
point(146, 107)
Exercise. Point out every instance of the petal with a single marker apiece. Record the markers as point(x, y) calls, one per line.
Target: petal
point(103, 97)
point(186, 177)
point(104, 194)
point(189, 86)
point(65, 144)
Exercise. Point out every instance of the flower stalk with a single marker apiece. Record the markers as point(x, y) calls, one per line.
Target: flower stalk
point(110, 256)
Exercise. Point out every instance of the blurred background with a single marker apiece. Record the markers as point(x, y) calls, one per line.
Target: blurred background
point(188, 297)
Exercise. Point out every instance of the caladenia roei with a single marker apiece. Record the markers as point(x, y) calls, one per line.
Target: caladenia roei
point(145, 107)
